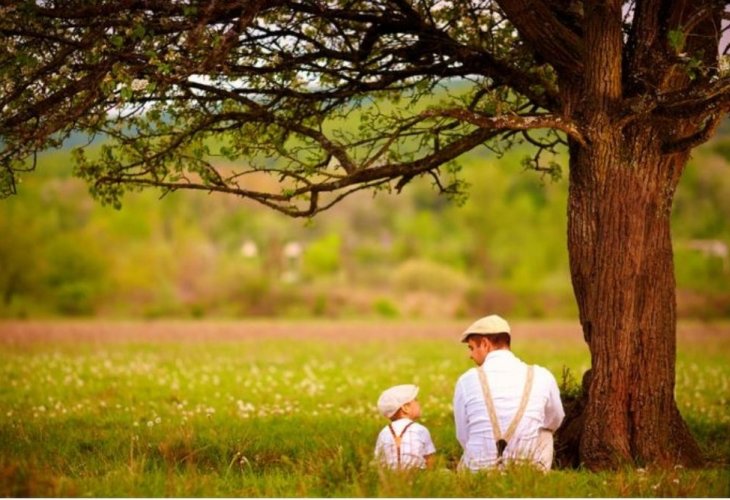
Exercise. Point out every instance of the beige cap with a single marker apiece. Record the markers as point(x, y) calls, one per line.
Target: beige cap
point(487, 325)
point(392, 399)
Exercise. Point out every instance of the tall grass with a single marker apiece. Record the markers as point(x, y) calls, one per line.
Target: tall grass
point(289, 418)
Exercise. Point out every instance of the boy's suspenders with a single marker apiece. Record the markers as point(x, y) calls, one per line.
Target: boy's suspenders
point(502, 439)
point(398, 438)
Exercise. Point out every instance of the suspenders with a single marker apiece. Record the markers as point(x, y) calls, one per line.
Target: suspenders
point(502, 439)
point(398, 438)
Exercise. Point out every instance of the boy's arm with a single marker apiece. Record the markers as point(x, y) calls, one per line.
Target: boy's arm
point(428, 448)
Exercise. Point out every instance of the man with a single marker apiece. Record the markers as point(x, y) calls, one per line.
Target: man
point(505, 410)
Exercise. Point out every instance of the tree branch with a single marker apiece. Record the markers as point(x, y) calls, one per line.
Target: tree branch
point(555, 43)
point(697, 100)
point(282, 201)
point(700, 137)
point(512, 122)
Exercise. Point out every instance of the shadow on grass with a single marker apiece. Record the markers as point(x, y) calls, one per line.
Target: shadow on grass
point(714, 440)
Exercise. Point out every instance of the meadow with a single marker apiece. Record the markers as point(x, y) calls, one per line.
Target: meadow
point(263, 408)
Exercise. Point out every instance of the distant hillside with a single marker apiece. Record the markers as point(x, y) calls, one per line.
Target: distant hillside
point(413, 255)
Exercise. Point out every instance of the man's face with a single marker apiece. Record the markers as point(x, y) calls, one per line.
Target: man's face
point(478, 349)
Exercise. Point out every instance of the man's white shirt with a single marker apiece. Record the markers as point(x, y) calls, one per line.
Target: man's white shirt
point(507, 376)
point(415, 445)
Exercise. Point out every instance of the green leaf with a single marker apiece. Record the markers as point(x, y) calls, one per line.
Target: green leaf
point(555, 171)
point(677, 40)
point(138, 32)
point(117, 41)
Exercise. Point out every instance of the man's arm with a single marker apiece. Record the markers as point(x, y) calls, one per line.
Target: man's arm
point(554, 412)
point(460, 414)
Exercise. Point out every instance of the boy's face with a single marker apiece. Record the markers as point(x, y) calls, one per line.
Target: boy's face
point(412, 409)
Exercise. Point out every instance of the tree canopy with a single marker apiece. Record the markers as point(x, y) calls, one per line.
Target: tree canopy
point(181, 89)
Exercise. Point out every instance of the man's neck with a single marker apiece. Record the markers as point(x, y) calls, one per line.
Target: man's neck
point(492, 349)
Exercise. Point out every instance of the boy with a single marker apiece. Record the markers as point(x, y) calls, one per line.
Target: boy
point(403, 443)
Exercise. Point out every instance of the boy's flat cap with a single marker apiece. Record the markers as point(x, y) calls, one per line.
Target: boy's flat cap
point(392, 399)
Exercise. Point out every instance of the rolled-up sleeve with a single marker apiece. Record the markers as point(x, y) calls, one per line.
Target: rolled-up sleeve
point(428, 447)
point(460, 414)
point(554, 412)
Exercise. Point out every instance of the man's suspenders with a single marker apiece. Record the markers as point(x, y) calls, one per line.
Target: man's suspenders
point(502, 439)
point(398, 438)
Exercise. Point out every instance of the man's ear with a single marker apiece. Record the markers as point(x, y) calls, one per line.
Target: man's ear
point(485, 342)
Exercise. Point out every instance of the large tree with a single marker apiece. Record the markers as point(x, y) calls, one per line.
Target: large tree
point(214, 95)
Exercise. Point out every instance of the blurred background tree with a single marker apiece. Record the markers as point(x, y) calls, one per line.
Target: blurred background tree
point(415, 255)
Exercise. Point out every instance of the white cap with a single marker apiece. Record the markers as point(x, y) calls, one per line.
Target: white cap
point(392, 399)
point(487, 325)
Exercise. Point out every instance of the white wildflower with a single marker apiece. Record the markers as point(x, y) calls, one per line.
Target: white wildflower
point(724, 65)
point(139, 84)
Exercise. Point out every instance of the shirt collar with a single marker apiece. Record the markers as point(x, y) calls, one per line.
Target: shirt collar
point(499, 354)
point(401, 422)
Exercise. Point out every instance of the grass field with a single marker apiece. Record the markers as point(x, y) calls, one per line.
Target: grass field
point(288, 409)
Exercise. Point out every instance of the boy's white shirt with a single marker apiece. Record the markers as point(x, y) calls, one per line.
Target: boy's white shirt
point(416, 444)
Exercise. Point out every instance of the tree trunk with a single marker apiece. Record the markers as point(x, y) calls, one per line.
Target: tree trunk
point(619, 243)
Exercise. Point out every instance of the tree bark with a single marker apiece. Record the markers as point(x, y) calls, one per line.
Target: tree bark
point(619, 244)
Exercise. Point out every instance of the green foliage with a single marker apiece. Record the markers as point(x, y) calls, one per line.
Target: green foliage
point(701, 272)
point(429, 276)
point(701, 223)
point(76, 276)
point(504, 248)
point(722, 148)
point(676, 39)
point(272, 417)
point(322, 256)
point(386, 308)
point(20, 256)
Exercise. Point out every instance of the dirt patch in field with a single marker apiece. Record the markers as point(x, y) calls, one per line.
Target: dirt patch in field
point(100, 331)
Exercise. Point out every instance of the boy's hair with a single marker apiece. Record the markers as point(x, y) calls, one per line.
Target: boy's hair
point(398, 414)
